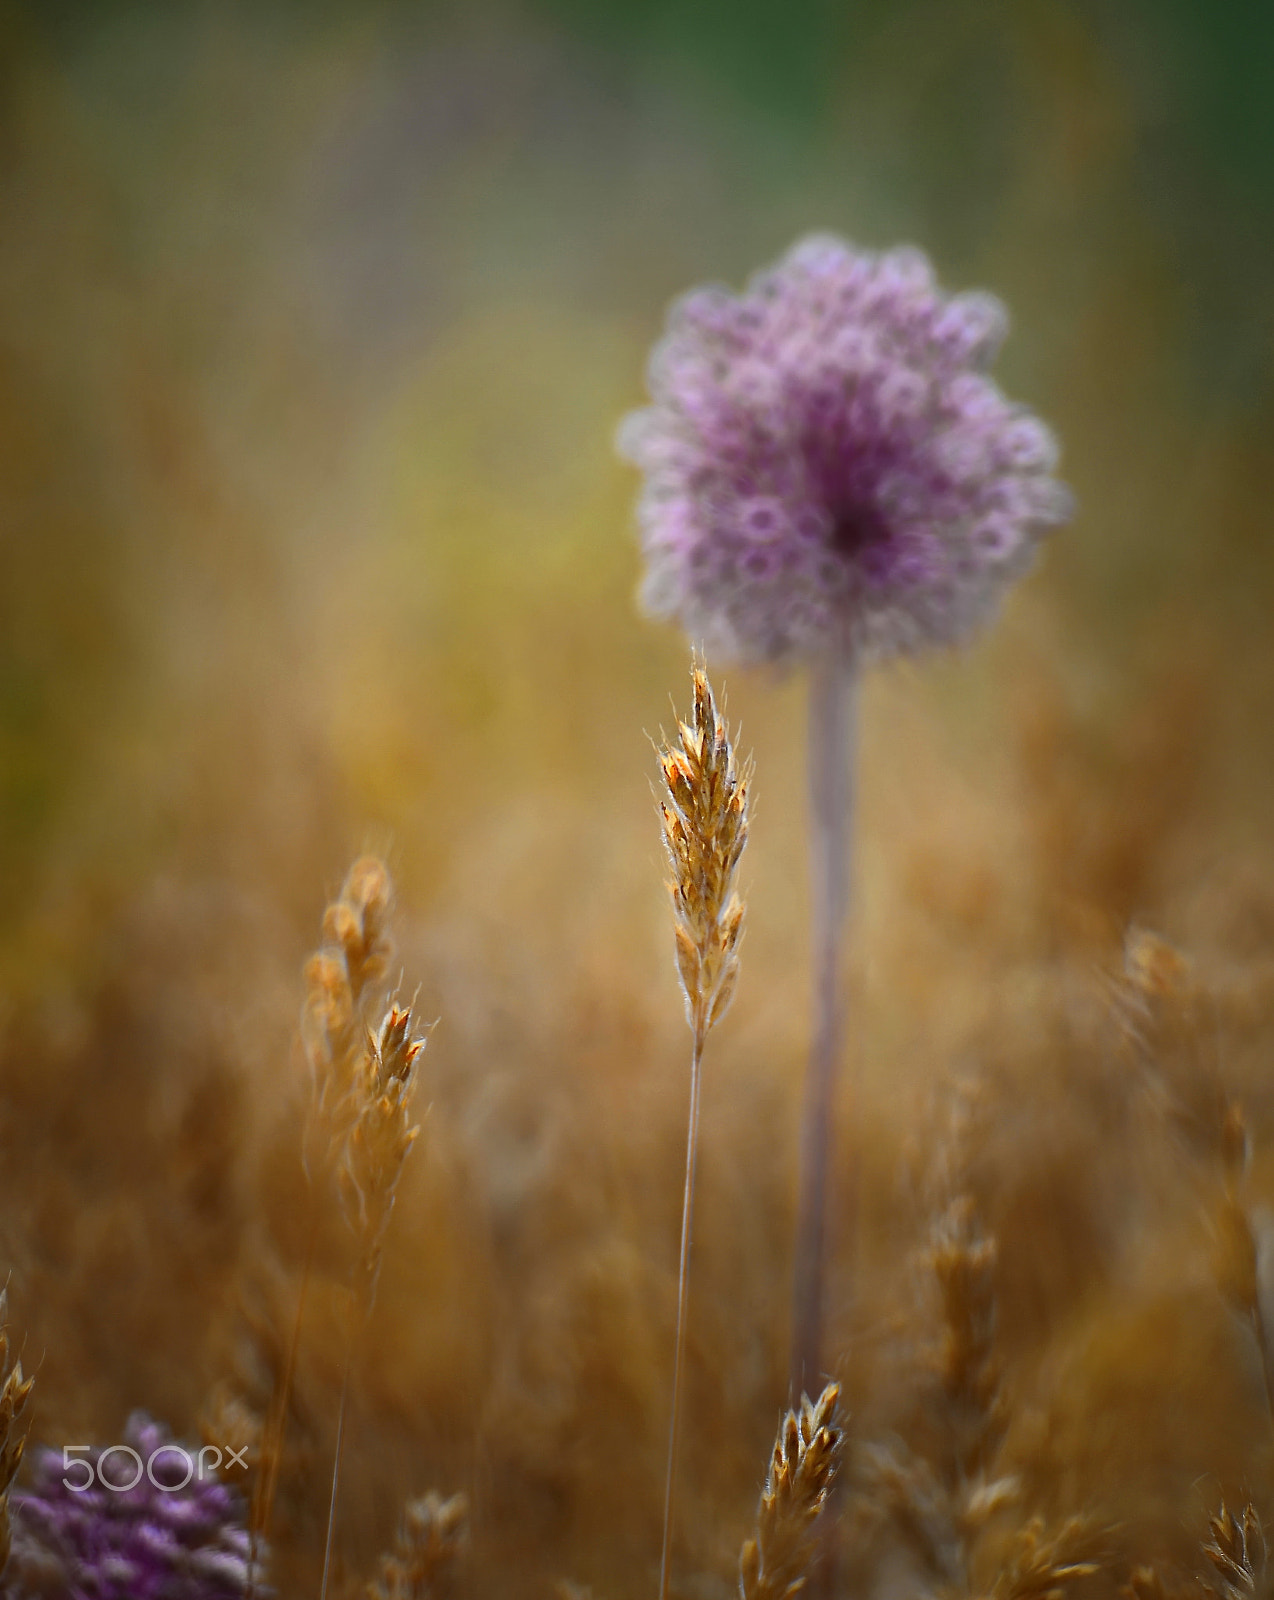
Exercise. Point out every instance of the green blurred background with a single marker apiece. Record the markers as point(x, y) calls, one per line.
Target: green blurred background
point(293, 292)
point(289, 292)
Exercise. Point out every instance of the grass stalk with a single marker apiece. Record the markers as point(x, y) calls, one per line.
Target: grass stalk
point(683, 1284)
point(704, 814)
point(775, 1563)
point(336, 1462)
point(376, 1147)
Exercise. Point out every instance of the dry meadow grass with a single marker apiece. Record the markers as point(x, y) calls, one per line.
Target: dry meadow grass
point(297, 572)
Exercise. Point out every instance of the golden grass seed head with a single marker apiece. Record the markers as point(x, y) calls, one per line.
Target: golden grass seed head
point(380, 1132)
point(689, 961)
point(445, 1520)
point(1044, 1564)
point(376, 1149)
point(340, 979)
point(342, 927)
point(10, 1461)
point(1237, 1551)
point(329, 999)
point(394, 1051)
point(356, 942)
point(430, 1544)
point(724, 995)
point(14, 1394)
point(1145, 1583)
point(369, 889)
point(774, 1564)
point(1153, 966)
point(963, 1261)
point(750, 1570)
point(680, 776)
point(703, 815)
point(804, 1460)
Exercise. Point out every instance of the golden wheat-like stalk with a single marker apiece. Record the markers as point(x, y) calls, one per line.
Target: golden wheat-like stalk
point(963, 1261)
point(370, 1128)
point(14, 1392)
point(1043, 1564)
point(941, 1502)
point(1237, 1553)
point(1149, 1582)
point(341, 979)
point(427, 1553)
point(704, 814)
point(380, 1136)
point(1237, 1558)
point(1169, 1020)
point(775, 1563)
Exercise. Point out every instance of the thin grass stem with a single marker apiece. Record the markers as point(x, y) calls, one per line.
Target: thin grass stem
point(704, 815)
point(336, 1461)
point(683, 1285)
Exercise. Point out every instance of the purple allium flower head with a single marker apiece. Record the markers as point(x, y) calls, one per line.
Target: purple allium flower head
point(163, 1538)
point(827, 462)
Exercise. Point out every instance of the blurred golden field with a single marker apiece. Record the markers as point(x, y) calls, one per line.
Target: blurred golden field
point(315, 329)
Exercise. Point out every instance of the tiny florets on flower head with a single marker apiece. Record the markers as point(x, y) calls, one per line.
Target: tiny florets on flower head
point(827, 463)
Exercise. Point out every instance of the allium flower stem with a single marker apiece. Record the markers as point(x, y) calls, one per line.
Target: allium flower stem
point(832, 739)
point(683, 1284)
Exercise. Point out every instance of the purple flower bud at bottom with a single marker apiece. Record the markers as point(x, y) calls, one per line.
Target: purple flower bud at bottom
point(140, 1543)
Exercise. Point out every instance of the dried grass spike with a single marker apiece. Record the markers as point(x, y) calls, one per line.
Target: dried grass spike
point(341, 980)
point(1237, 1552)
point(704, 815)
point(428, 1551)
point(14, 1393)
point(381, 1135)
point(903, 1488)
point(1153, 966)
point(357, 923)
point(963, 1260)
point(807, 1452)
point(1044, 1565)
point(1145, 1583)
